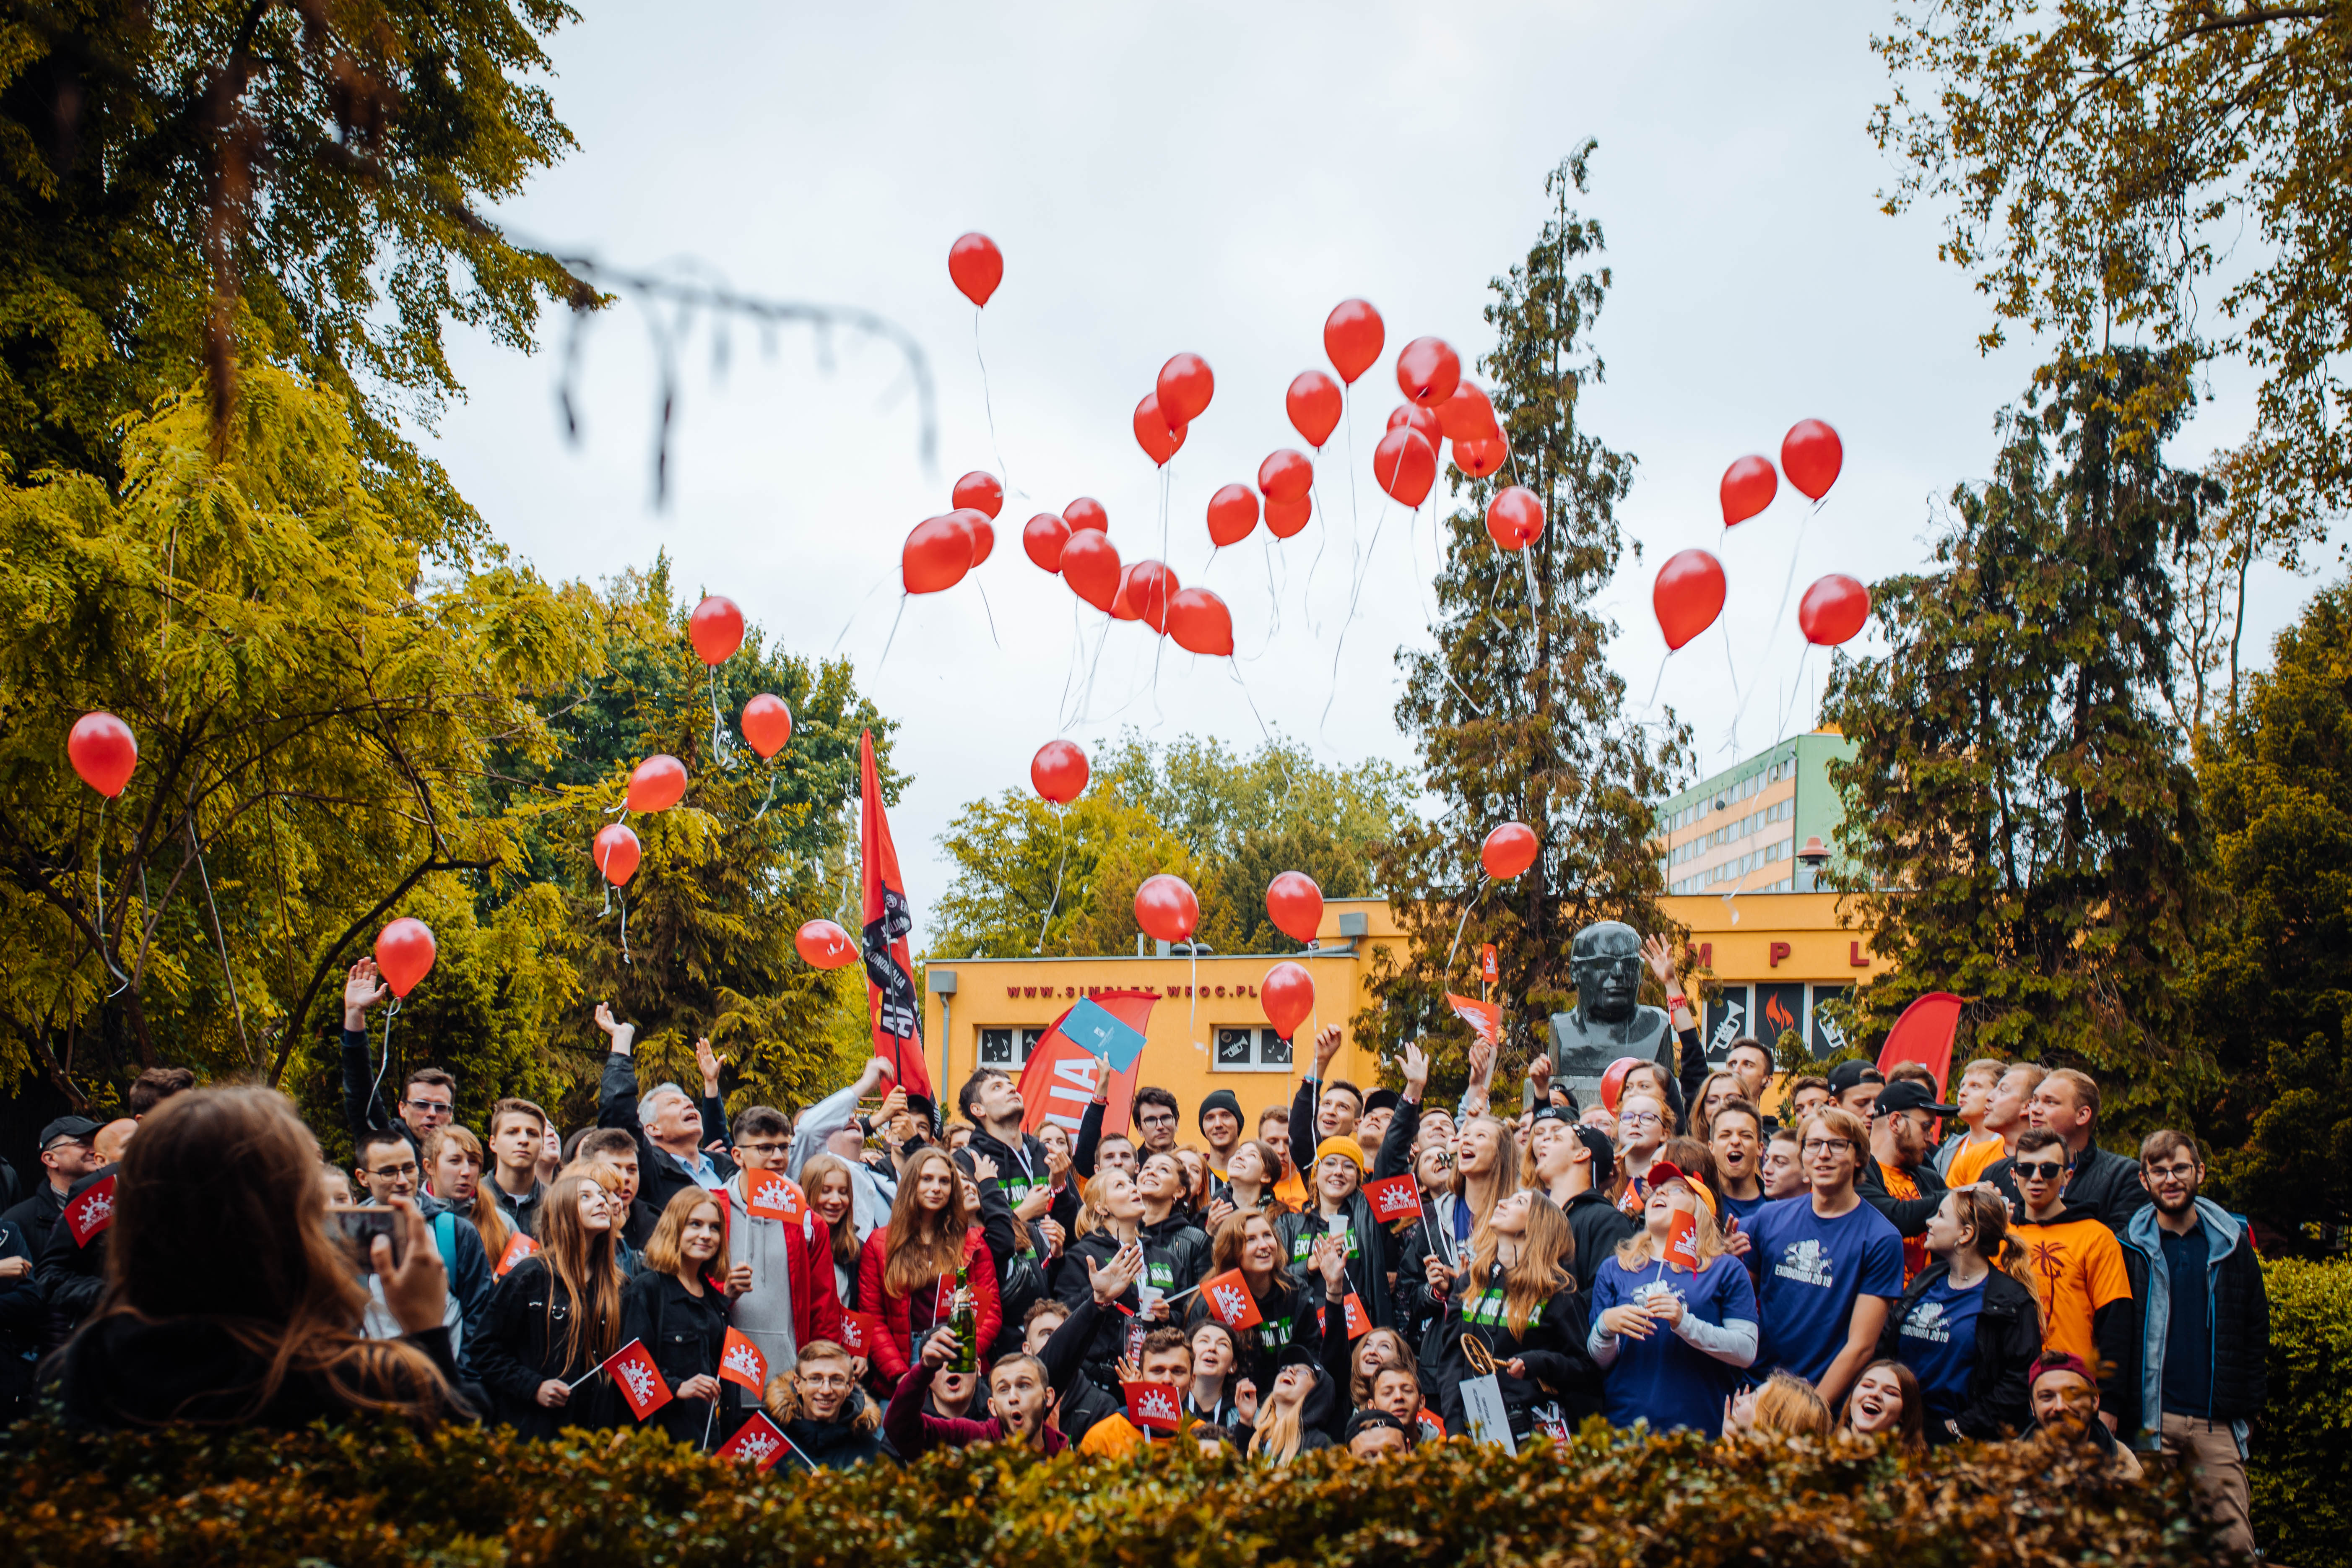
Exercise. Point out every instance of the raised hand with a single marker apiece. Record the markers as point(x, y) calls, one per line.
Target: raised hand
point(711, 1061)
point(362, 989)
point(939, 1348)
point(1539, 1075)
point(1327, 1046)
point(1440, 1277)
point(1660, 958)
point(622, 1034)
point(1246, 1402)
point(1332, 1262)
point(1219, 1209)
point(1415, 1063)
point(984, 1169)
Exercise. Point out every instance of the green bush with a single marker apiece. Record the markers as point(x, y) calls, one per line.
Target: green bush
point(366, 1498)
point(2303, 1444)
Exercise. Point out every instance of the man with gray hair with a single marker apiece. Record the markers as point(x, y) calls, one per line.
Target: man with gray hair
point(666, 1121)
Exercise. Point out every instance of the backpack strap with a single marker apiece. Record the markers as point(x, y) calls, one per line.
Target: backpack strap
point(444, 1234)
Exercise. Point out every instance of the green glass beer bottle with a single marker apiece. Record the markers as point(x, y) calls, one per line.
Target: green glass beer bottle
point(965, 1322)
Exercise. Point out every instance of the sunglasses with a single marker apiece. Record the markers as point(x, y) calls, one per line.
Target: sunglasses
point(2042, 1171)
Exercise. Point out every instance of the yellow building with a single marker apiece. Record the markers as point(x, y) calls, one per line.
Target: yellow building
point(1774, 955)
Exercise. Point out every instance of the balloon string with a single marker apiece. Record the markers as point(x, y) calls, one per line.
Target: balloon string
point(1236, 674)
point(989, 403)
point(1780, 731)
point(98, 901)
point(1272, 594)
point(718, 723)
point(894, 632)
point(1339, 644)
point(771, 794)
point(386, 1065)
point(1322, 538)
point(624, 899)
point(986, 610)
point(1466, 910)
point(1062, 831)
point(1660, 680)
point(1787, 584)
point(219, 935)
point(1193, 1026)
point(859, 610)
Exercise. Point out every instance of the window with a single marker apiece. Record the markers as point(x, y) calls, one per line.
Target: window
point(997, 1046)
point(1252, 1050)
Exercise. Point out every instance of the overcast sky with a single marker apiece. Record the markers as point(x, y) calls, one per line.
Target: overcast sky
point(1215, 178)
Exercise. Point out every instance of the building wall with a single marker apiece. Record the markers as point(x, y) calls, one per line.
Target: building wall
point(1782, 950)
point(1739, 831)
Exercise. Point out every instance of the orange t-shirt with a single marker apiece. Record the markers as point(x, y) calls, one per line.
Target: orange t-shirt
point(2077, 1268)
point(1900, 1185)
point(1972, 1159)
point(1111, 1436)
point(1292, 1190)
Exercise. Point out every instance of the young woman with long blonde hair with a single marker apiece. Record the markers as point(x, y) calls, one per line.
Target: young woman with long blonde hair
point(556, 1316)
point(676, 1307)
point(1517, 1299)
point(1671, 1334)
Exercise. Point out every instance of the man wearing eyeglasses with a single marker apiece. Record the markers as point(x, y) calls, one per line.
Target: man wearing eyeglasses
point(1827, 1265)
point(388, 1169)
point(2078, 1272)
point(428, 1099)
point(2205, 1330)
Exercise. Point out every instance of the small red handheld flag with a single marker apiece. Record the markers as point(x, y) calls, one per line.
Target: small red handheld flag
point(1152, 1405)
point(92, 1212)
point(1487, 971)
point(520, 1248)
point(858, 1333)
point(758, 1442)
point(1394, 1198)
point(640, 1380)
point(1230, 1301)
point(740, 1362)
point(1682, 1240)
point(767, 1196)
point(1358, 1325)
point(1485, 1018)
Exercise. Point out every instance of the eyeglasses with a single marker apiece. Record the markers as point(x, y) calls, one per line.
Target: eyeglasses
point(762, 1148)
point(1162, 1120)
point(2173, 1172)
point(391, 1172)
point(1639, 1119)
point(2042, 1171)
point(825, 1380)
point(1825, 1145)
point(428, 1105)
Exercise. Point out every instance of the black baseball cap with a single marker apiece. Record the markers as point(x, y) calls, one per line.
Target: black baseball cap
point(79, 1128)
point(1383, 1100)
point(1853, 1074)
point(1908, 1094)
point(1368, 1420)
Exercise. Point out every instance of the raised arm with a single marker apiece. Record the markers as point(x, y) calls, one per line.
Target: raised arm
point(1395, 1155)
point(1082, 1152)
point(363, 1111)
point(1692, 1074)
point(830, 1115)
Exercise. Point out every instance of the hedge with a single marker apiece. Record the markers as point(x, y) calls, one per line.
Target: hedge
point(381, 1495)
point(2302, 1449)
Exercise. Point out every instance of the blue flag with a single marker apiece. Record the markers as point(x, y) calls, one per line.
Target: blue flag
point(1095, 1027)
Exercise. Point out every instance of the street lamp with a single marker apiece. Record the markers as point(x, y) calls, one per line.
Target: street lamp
point(1813, 858)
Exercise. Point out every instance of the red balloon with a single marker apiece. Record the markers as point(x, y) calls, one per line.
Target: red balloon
point(1428, 370)
point(716, 629)
point(824, 945)
point(1090, 567)
point(1287, 994)
point(1200, 622)
point(1087, 512)
point(1352, 336)
point(1467, 416)
point(1232, 512)
point(1811, 455)
point(982, 531)
point(937, 553)
point(1688, 596)
point(1059, 771)
point(1314, 403)
point(1122, 605)
point(1159, 440)
point(657, 783)
point(1480, 459)
point(979, 491)
point(103, 751)
point(1286, 474)
point(767, 724)
point(617, 854)
point(1509, 850)
point(1514, 518)
point(1749, 487)
point(1424, 420)
point(977, 267)
point(1044, 538)
point(1151, 586)
point(1295, 904)
point(405, 951)
point(1166, 908)
point(1834, 609)
point(1287, 518)
point(1186, 384)
point(1405, 465)
point(1612, 1082)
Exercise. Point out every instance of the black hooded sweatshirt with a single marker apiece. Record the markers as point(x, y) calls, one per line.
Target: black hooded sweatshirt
point(838, 1444)
point(124, 1372)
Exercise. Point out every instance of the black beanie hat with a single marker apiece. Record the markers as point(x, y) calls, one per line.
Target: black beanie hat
point(1219, 1099)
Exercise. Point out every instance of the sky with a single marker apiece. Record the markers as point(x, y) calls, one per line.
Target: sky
point(1215, 178)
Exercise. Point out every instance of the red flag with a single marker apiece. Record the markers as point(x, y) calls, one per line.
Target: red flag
point(1352, 1310)
point(1429, 1419)
point(858, 1333)
point(1483, 1017)
point(520, 1248)
point(890, 997)
point(1229, 1299)
point(1682, 1240)
point(767, 1196)
point(91, 1212)
point(1394, 1198)
point(1152, 1405)
point(740, 1362)
point(1060, 1076)
point(640, 1380)
point(1487, 972)
point(758, 1442)
point(1924, 1034)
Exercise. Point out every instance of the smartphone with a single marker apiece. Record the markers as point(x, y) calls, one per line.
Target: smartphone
point(361, 1227)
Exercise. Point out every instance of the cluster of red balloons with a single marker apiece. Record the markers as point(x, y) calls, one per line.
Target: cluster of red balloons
point(1810, 455)
point(1179, 396)
point(1689, 590)
point(941, 550)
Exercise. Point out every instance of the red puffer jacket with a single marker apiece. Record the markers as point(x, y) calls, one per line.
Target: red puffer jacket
point(901, 1317)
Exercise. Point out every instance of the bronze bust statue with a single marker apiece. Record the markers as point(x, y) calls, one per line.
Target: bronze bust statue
point(1607, 1022)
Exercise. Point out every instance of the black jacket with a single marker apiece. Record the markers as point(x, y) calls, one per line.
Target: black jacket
point(1187, 1248)
point(2009, 1339)
point(1908, 1216)
point(521, 1348)
point(35, 1214)
point(684, 1334)
point(2103, 1180)
point(73, 1278)
point(23, 1322)
point(1552, 1347)
point(1370, 1263)
point(1598, 1226)
point(364, 1109)
point(1074, 1288)
point(1287, 1314)
point(838, 1444)
point(659, 1175)
point(1083, 1401)
point(122, 1372)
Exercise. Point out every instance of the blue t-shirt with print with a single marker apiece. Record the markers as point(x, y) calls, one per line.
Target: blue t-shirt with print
point(1809, 1271)
point(1744, 1210)
point(1665, 1379)
point(1938, 1340)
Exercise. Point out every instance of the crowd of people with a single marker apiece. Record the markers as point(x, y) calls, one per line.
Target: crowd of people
point(1359, 1270)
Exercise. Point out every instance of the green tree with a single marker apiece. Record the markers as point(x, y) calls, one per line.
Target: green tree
point(1516, 713)
point(1032, 877)
point(2022, 825)
point(2118, 168)
point(2274, 972)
